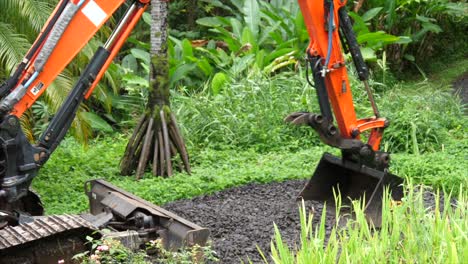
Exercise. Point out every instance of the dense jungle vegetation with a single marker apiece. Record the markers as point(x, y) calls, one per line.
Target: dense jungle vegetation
point(236, 70)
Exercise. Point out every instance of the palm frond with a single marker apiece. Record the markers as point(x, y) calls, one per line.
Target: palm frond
point(12, 47)
point(58, 91)
point(27, 125)
point(33, 13)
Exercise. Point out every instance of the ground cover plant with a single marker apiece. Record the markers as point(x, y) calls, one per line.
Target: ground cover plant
point(411, 232)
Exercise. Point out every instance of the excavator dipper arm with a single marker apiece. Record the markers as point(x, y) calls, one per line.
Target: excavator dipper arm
point(363, 168)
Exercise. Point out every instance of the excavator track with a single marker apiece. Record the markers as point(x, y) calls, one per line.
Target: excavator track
point(45, 239)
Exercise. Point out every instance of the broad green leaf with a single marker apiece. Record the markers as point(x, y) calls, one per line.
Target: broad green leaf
point(181, 72)
point(425, 19)
point(147, 18)
point(266, 32)
point(218, 3)
point(187, 49)
point(138, 43)
point(218, 82)
point(276, 54)
point(368, 54)
point(390, 11)
point(251, 11)
point(236, 27)
point(359, 25)
point(129, 62)
point(176, 41)
point(134, 79)
point(403, 40)
point(248, 38)
point(205, 66)
point(409, 57)
point(378, 36)
point(238, 3)
point(141, 54)
point(371, 13)
point(210, 22)
point(260, 59)
point(432, 27)
point(96, 122)
point(241, 63)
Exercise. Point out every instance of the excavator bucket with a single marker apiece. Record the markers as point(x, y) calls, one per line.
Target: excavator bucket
point(353, 181)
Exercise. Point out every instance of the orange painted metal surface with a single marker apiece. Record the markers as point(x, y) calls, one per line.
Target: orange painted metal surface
point(370, 123)
point(336, 80)
point(341, 99)
point(81, 29)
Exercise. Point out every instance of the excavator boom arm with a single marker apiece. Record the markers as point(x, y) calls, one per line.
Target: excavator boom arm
point(132, 220)
point(362, 171)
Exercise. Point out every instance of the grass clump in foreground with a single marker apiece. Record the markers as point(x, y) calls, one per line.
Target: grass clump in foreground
point(411, 232)
point(109, 250)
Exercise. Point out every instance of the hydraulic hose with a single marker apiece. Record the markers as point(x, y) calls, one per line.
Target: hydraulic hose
point(331, 20)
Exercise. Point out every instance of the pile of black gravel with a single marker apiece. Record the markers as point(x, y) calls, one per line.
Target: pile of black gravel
point(241, 218)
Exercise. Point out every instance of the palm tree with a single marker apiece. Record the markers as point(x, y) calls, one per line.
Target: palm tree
point(156, 139)
point(20, 23)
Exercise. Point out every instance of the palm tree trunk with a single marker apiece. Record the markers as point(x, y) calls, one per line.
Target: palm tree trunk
point(156, 140)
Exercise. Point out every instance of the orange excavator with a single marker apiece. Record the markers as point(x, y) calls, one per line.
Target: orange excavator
point(362, 171)
point(26, 236)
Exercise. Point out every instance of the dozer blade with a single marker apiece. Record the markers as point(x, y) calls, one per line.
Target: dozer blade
point(175, 231)
point(353, 181)
point(127, 218)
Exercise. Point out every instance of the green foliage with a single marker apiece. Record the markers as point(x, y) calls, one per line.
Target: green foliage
point(247, 113)
point(195, 254)
point(423, 118)
point(258, 36)
point(423, 22)
point(410, 233)
point(108, 250)
point(214, 170)
point(373, 41)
